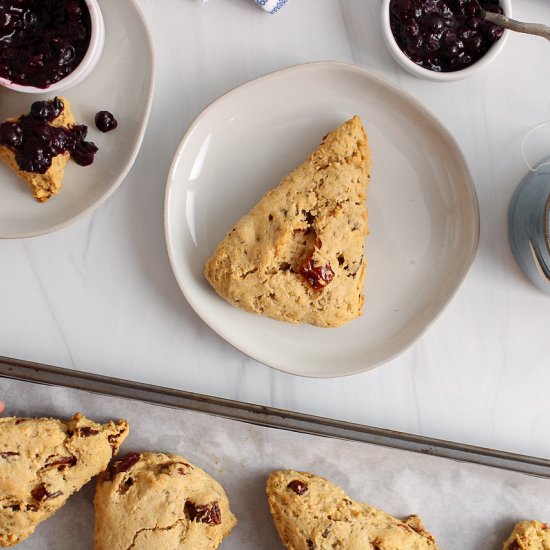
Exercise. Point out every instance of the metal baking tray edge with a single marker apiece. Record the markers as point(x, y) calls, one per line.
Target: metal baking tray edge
point(270, 417)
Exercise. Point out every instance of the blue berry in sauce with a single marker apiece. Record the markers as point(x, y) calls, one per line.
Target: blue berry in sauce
point(83, 153)
point(35, 142)
point(42, 41)
point(11, 134)
point(105, 121)
point(443, 35)
point(42, 110)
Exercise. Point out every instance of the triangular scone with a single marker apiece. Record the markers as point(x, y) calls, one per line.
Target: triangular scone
point(157, 501)
point(43, 186)
point(298, 255)
point(311, 513)
point(43, 461)
point(529, 535)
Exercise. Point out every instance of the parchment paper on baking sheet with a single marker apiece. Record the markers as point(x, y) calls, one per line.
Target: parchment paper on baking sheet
point(466, 506)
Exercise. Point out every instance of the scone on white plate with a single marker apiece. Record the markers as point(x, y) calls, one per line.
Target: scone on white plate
point(43, 461)
point(159, 501)
point(311, 513)
point(298, 255)
point(44, 186)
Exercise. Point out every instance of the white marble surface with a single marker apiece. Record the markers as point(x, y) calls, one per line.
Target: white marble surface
point(100, 296)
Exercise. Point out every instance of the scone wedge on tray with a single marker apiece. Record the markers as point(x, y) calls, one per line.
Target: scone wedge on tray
point(311, 513)
point(298, 255)
point(529, 535)
point(159, 501)
point(43, 461)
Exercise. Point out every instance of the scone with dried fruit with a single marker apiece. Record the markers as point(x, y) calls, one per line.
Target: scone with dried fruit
point(162, 501)
point(298, 255)
point(43, 461)
point(529, 535)
point(311, 513)
point(38, 145)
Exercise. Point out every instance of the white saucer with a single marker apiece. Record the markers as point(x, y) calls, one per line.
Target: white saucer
point(423, 211)
point(122, 83)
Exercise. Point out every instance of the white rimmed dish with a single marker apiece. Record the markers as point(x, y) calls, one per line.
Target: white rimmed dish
point(421, 72)
point(423, 211)
point(84, 68)
point(111, 86)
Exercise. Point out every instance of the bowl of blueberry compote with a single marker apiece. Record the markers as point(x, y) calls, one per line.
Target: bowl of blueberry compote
point(443, 39)
point(48, 45)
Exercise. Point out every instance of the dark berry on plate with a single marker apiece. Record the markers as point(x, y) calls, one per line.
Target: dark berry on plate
point(105, 121)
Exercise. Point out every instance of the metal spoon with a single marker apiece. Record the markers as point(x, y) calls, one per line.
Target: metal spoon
point(528, 28)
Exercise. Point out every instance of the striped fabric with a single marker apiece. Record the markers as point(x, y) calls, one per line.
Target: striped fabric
point(272, 6)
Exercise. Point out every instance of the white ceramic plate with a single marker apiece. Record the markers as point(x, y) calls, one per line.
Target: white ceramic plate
point(121, 83)
point(423, 211)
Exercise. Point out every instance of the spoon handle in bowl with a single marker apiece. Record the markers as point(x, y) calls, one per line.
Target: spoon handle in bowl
point(528, 28)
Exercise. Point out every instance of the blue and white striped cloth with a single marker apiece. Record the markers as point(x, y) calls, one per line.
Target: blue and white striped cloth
point(272, 6)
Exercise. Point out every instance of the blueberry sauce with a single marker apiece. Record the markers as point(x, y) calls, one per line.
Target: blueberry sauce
point(35, 141)
point(105, 121)
point(42, 41)
point(443, 35)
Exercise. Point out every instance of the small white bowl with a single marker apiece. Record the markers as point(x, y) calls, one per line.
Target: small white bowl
point(421, 72)
point(84, 68)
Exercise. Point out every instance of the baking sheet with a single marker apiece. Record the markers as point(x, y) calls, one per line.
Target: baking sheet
point(466, 506)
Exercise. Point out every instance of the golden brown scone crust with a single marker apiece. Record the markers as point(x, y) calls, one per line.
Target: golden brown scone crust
point(43, 461)
point(161, 501)
point(317, 211)
point(311, 513)
point(43, 186)
point(529, 535)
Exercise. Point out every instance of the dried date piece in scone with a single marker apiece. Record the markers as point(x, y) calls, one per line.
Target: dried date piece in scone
point(529, 535)
point(311, 513)
point(298, 255)
point(38, 145)
point(43, 461)
point(162, 501)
